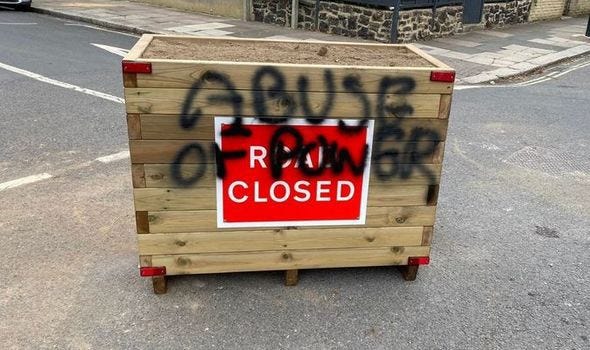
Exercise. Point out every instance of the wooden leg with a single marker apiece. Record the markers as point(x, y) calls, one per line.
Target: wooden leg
point(291, 277)
point(160, 285)
point(409, 272)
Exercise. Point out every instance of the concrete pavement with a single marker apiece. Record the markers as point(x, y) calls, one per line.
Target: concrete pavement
point(478, 56)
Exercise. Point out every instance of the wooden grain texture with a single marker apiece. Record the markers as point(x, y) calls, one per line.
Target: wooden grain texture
point(432, 196)
point(139, 47)
point(159, 199)
point(166, 151)
point(172, 101)
point(291, 278)
point(286, 260)
point(138, 175)
point(184, 74)
point(427, 235)
point(168, 127)
point(145, 260)
point(409, 272)
point(141, 222)
point(160, 285)
point(445, 106)
point(264, 240)
point(133, 126)
point(206, 220)
point(160, 175)
point(130, 80)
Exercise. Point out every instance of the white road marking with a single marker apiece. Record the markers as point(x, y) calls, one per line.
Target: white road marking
point(17, 24)
point(47, 80)
point(101, 29)
point(24, 181)
point(538, 80)
point(112, 49)
point(113, 157)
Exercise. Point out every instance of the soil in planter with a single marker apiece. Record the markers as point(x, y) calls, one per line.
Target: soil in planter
point(283, 52)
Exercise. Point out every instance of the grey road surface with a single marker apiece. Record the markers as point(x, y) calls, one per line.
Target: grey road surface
point(510, 262)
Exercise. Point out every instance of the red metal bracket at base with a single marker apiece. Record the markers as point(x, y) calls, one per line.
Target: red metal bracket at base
point(418, 260)
point(151, 271)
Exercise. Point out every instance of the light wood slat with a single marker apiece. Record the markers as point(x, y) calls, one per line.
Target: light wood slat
point(139, 47)
point(157, 199)
point(160, 175)
point(167, 126)
point(166, 151)
point(248, 241)
point(284, 260)
point(183, 74)
point(171, 101)
point(205, 220)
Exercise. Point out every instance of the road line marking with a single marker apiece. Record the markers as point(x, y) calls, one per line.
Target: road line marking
point(24, 181)
point(101, 29)
point(113, 157)
point(17, 24)
point(112, 49)
point(47, 80)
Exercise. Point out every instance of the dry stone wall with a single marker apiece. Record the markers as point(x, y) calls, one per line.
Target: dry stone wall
point(373, 23)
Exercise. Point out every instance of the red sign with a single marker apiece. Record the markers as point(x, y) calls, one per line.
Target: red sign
point(292, 174)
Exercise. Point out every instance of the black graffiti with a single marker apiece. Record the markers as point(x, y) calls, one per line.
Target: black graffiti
point(394, 154)
point(176, 167)
point(333, 156)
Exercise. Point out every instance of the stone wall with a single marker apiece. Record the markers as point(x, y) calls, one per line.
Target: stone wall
point(272, 11)
point(375, 23)
point(501, 13)
point(578, 7)
point(347, 19)
point(227, 8)
point(417, 24)
point(546, 9)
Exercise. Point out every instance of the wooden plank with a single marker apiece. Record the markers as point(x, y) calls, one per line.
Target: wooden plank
point(133, 126)
point(343, 105)
point(160, 175)
point(138, 175)
point(159, 283)
point(141, 221)
point(130, 80)
point(206, 220)
point(427, 235)
point(158, 199)
point(264, 240)
point(167, 127)
point(445, 106)
point(183, 74)
point(145, 260)
point(283, 260)
point(432, 196)
point(139, 47)
point(291, 277)
point(166, 151)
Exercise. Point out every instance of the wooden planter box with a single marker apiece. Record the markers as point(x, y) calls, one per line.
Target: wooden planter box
point(335, 163)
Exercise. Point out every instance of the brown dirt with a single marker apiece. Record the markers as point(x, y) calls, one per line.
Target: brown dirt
point(283, 52)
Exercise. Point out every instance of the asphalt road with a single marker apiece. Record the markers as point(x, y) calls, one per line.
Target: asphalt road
point(510, 262)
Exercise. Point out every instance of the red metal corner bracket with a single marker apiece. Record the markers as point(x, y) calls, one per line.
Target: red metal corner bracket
point(443, 76)
point(418, 260)
point(137, 67)
point(151, 271)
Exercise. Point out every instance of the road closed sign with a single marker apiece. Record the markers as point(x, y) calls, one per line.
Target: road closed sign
point(293, 173)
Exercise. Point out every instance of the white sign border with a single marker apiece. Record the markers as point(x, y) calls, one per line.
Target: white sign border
point(301, 122)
